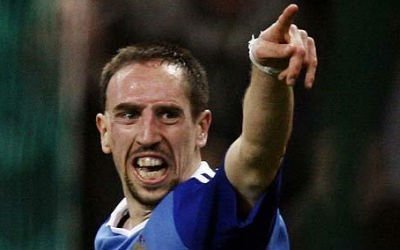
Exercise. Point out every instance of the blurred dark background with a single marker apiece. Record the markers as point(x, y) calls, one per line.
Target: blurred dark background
point(342, 169)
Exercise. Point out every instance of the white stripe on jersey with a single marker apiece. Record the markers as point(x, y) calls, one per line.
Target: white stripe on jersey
point(203, 173)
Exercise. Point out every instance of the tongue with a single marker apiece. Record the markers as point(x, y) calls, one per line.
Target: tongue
point(151, 174)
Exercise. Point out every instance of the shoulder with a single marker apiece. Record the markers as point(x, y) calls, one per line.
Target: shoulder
point(206, 214)
point(197, 206)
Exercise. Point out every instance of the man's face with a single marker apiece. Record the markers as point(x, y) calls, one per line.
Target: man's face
point(149, 129)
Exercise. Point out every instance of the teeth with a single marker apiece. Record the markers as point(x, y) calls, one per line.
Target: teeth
point(149, 162)
point(146, 174)
point(150, 168)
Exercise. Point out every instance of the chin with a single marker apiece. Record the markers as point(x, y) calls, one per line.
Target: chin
point(149, 196)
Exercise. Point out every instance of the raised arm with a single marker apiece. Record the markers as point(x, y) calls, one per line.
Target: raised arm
point(254, 158)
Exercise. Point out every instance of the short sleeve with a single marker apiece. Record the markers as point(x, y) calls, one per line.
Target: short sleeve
point(206, 215)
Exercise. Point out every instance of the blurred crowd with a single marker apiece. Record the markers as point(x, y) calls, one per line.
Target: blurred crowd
point(341, 173)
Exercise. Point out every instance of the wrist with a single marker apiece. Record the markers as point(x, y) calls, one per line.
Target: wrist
point(274, 72)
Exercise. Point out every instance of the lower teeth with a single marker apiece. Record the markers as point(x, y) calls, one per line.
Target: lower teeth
point(148, 174)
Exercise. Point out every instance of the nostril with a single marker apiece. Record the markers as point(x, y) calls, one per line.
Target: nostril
point(148, 147)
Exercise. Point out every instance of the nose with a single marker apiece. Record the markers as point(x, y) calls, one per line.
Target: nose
point(149, 131)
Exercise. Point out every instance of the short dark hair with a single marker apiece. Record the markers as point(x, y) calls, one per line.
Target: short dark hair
point(198, 92)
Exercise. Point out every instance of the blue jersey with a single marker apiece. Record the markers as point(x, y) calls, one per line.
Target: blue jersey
point(201, 214)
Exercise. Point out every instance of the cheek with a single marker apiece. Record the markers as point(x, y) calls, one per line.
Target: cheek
point(185, 139)
point(120, 139)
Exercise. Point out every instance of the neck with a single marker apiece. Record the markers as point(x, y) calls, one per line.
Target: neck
point(137, 214)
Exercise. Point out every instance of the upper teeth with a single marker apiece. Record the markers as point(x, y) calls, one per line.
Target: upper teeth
point(149, 162)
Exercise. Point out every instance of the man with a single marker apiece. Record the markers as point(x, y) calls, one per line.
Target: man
point(154, 124)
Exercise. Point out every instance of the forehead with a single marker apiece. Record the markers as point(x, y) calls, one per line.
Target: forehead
point(147, 82)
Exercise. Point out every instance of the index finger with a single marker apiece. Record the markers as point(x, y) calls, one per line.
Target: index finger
point(286, 18)
point(278, 32)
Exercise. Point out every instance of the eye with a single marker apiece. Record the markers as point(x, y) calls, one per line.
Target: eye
point(130, 115)
point(127, 117)
point(170, 115)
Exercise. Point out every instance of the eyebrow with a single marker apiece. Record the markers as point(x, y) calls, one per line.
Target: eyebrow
point(135, 106)
point(172, 107)
point(127, 106)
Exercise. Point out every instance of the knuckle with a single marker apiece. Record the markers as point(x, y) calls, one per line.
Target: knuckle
point(296, 70)
point(314, 62)
point(301, 51)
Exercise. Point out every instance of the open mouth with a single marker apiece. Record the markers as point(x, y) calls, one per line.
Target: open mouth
point(150, 169)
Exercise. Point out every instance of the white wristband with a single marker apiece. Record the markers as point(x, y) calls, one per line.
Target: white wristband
point(268, 70)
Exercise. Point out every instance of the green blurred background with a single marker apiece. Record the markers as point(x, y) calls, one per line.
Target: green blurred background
point(341, 187)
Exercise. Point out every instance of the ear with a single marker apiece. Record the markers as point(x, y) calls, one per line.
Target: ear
point(101, 124)
point(203, 125)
